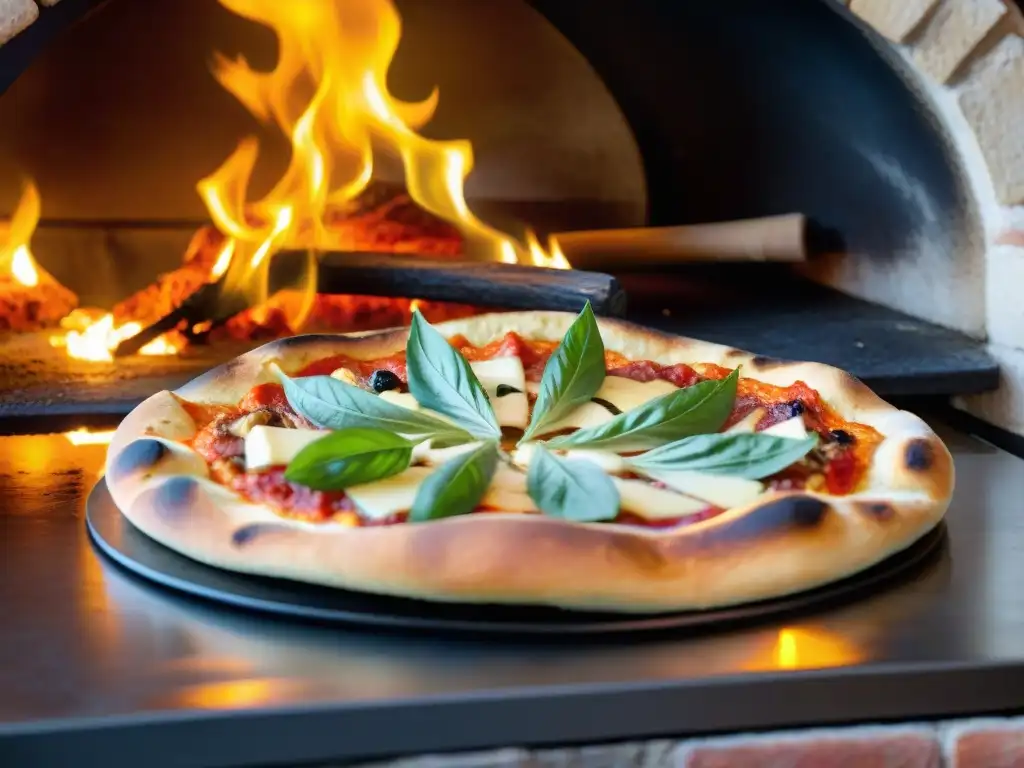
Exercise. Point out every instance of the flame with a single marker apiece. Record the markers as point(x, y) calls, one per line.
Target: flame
point(15, 256)
point(83, 436)
point(23, 267)
point(328, 93)
point(220, 266)
point(553, 258)
point(88, 339)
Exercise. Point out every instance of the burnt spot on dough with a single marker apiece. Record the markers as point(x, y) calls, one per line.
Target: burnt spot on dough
point(877, 510)
point(249, 533)
point(139, 456)
point(919, 455)
point(796, 512)
point(175, 498)
point(735, 353)
point(639, 552)
point(766, 363)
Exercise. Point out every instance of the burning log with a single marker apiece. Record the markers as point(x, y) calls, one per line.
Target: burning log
point(490, 284)
point(496, 285)
point(33, 307)
point(30, 298)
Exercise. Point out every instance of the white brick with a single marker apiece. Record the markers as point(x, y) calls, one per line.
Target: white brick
point(650, 754)
point(1005, 406)
point(895, 19)
point(495, 758)
point(1004, 300)
point(992, 101)
point(16, 15)
point(952, 33)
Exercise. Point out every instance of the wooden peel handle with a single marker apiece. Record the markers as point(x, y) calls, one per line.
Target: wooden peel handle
point(775, 238)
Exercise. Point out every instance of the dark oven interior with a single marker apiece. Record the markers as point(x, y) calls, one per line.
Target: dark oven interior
point(623, 113)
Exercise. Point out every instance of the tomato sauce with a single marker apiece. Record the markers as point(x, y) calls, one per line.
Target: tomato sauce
point(270, 487)
point(841, 473)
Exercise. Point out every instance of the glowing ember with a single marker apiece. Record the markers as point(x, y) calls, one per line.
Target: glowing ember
point(29, 296)
point(83, 436)
point(339, 51)
point(88, 339)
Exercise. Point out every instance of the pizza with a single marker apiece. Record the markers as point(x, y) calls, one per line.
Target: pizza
point(531, 458)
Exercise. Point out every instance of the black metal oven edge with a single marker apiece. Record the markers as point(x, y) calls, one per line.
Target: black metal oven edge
point(940, 409)
point(521, 718)
point(972, 425)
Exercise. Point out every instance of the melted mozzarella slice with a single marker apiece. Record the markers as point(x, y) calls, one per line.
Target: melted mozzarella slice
point(423, 453)
point(512, 409)
point(625, 394)
point(508, 492)
point(276, 446)
point(747, 424)
point(610, 462)
point(404, 399)
point(720, 490)
point(643, 499)
point(793, 428)
point(383, 498)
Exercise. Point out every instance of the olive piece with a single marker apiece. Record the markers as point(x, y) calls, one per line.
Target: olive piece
point(842, 437)
point(382, 380)
point(612, 408)
point(795, 408)
point(506, 389)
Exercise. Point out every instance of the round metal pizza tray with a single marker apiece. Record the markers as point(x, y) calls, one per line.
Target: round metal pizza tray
point(123, 543)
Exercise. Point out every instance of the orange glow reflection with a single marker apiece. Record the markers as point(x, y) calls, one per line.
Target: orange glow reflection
point(804, 648)
point(83, 436)
point(795, 648)
point(232, 694)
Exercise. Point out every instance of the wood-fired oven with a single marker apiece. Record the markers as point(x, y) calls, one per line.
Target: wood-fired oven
point(128, 131)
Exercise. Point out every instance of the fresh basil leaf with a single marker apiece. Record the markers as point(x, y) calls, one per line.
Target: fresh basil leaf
point(752, 456)
point(572, 375)
point(689, 411)
point(333, 404)
point(441, 380)
point(572, 489)
point(350, 457)
point(457, 486)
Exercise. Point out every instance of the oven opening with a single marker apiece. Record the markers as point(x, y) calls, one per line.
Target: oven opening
point(188, 179)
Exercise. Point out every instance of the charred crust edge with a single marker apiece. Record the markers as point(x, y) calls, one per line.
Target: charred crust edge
point(138, 456)
point(876, 510)
point(795, 512)
point(764, 362)
point(175, 497)
point(249, 533)
point(919, 455)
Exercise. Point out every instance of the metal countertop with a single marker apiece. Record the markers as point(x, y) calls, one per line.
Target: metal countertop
point(92, 659)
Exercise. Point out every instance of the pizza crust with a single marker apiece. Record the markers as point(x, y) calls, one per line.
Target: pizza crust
point(785, 542)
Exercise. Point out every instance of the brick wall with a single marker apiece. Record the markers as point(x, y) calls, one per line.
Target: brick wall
point(988, 743)
point(967, 57)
